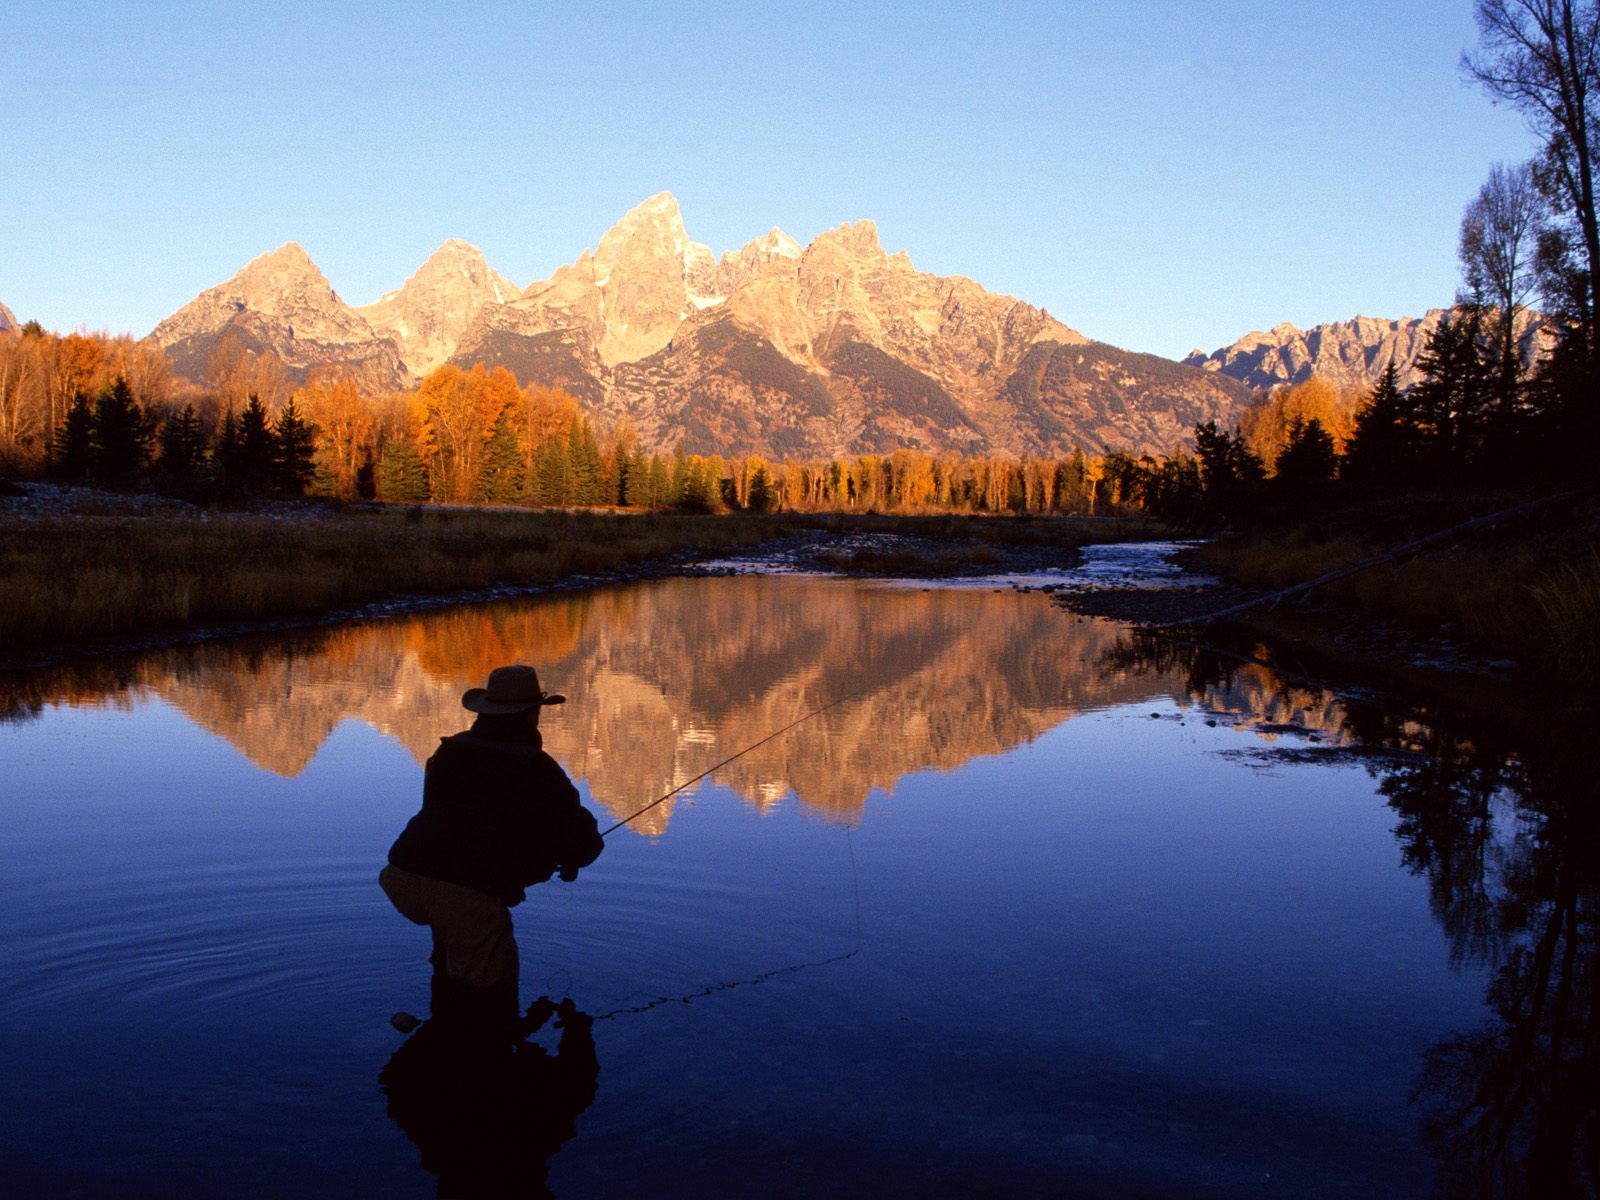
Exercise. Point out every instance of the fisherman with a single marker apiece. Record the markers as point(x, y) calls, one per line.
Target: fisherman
point(498, 816)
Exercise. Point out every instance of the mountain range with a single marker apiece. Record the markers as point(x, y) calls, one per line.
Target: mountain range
point(1349, 354)
point(833, 348)
point(8, 319)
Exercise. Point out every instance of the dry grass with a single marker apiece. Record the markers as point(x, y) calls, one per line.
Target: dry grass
point(98, 577)
point(1569, 600)
point(1530, 593)
point(104, 573)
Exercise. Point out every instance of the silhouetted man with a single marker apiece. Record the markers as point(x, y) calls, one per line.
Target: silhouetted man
point(498, 816)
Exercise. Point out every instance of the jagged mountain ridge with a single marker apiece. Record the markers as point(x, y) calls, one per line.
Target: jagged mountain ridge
point(834, 348)
point(281, 302)
point(1350, 354)
point(427, 316)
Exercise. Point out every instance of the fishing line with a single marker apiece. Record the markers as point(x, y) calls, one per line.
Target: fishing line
point(732, 758)
point(792, 969)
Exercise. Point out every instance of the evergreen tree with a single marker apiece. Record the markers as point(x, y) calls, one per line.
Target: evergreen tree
point(402, 478)
point(503, 478)
point(678, 479)
point(256, 453)
point(583, 453)
point(72, 447)
point(634, 488)
point(1231, 474)
point(225, 450)
point(1309, 459)
point(762, 497)
point(552, 475)
point(121, 436)
point(1450, 403)
point(1383, 447)
point(660, 482)
point(295, 447)
point(182, 445)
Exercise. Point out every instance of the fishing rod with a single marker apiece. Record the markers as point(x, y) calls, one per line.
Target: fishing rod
point(732, 758)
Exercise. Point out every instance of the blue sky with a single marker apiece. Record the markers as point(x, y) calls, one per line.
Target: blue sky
point(1161, 175)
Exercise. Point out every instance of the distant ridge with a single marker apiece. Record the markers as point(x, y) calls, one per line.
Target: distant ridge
point(8, 319)
point(833, 348)
point(1350, 354)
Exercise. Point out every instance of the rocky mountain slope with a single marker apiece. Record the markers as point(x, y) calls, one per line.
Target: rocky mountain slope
point(281, 302)
point(834, 348)
point(430, 312)
point(1351, 354)
point(8, 319)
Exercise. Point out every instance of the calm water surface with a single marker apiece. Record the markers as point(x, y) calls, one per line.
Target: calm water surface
point(1037, 909)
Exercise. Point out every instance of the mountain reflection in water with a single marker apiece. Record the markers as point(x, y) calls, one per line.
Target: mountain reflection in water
point(662, 680)
point(667, 677)
point(1508, 838)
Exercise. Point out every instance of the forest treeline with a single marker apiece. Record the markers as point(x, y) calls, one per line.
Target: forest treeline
point(105, 410)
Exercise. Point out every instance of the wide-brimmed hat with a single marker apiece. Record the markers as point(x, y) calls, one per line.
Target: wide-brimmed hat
point(511, 689)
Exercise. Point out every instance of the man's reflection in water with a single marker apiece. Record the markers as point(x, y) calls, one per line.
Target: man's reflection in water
point(486, 1111)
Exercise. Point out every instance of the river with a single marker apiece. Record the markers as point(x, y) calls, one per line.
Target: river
point(1035, 904)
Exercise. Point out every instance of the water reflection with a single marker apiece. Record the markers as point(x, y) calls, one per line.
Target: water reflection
point(663, 680)
point(488, 1113)
point(1507, 835)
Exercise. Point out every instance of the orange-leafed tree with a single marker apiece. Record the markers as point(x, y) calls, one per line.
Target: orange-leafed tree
point(334, 405)
point(453, 416)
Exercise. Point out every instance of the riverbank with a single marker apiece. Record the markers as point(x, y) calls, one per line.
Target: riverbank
point(85, 572)
point(1521, 595)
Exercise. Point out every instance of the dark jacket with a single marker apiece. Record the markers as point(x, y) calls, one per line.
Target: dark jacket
point(498, 815)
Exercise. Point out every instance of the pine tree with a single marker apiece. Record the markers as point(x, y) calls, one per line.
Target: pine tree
point(402, 479)
point(1309, 459)
point(660, 482)
point(503, 478)
point(257, 451)
point(72, 447)
point(1382, 449)
point(583, 453)
point(761, 496)
point(1450, 403)
point(121, 436)
point(182, 445)
point(552, 475)
point(225, 450)
point(295, 447)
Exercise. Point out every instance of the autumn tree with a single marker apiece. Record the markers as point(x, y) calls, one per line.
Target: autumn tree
point(344, 430)
point(453, 415)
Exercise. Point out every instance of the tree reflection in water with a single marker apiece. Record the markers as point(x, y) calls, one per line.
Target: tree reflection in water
point(1507, 834)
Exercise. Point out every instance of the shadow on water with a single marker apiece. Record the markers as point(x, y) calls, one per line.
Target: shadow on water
point(1506, 831)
